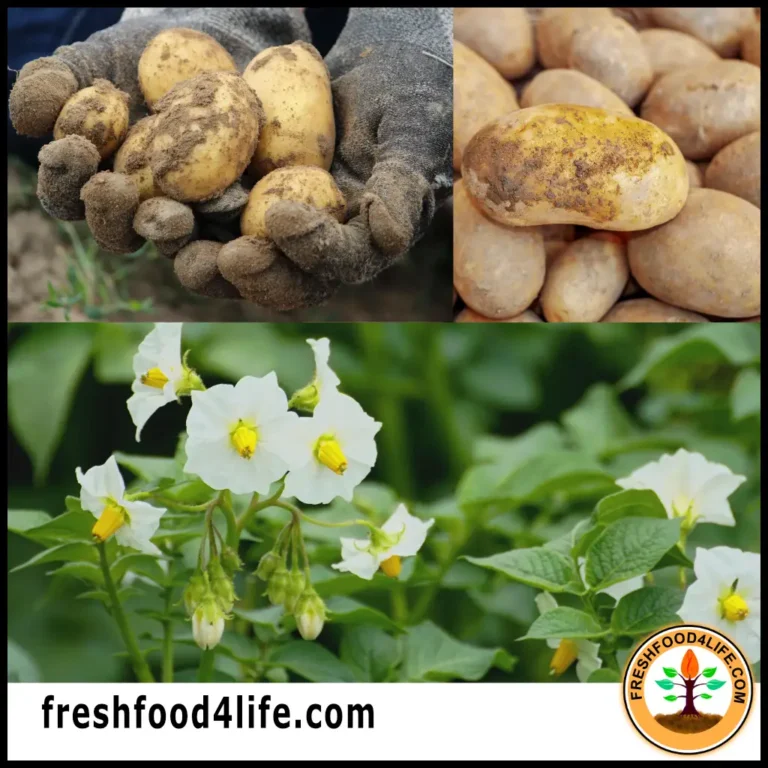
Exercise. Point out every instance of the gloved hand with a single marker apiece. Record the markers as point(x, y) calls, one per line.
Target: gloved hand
point(393, 99)
point(69, 166)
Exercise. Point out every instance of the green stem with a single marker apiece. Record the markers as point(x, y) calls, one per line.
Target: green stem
point(399, 604)
point(205, 670)
point(682, 577)
point(323, 523)
point(173, 504)
point(233, 533)
point(256, 506)
point(140, 666)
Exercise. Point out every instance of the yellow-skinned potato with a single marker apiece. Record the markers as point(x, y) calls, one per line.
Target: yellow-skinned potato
point(301, 184)
point(480, 94)
point(720, 28)
point(650, 311)
point(669, 50)
point(566, 164)
point(497, 271)
point(176, 55)
point(555, 28)
point(294, 87)
point(707, 259)
point(204, 136)
point(750, 44)
point(98, 113)
point(132, 158)
point(585, 280)
point(736, 169)
point(705, 108)
point(568, 86)
point(502, 36)
point(613, 54)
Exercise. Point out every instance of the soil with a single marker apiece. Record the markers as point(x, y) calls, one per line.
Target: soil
point(417, 288)
point(680, 723)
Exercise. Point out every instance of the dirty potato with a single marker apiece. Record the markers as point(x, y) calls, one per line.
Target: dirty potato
point(568, 86)
point(498, 271)
point(720, 28)
point(132, 158)
point(294, 87)
point(650, 311)
point(669, 50)
point(555, 28)
point(98, 113)
point(750, 44)
point(565, 164)
point(176, 55)
point(707, 259)
point(468, 315)
point(736, 169)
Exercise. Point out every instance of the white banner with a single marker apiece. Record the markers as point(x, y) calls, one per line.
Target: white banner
point(336, 721)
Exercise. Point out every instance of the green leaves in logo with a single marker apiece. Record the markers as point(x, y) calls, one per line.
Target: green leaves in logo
point(671, 697)
point(670, 672)
point(667, 685)
point(713, 685)
point(705, 696)
point(709, 671)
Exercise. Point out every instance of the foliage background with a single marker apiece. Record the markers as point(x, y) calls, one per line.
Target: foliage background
point(513, 399)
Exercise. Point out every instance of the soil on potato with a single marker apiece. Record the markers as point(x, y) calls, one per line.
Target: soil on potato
point(680, 723)
point(417, 288)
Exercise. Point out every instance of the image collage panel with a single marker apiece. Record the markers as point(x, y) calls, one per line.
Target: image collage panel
point(251, 437)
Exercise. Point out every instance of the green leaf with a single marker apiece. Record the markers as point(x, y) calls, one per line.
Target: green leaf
point(514, 451)
point(22, 668)
point(629, 503)
point(604, 676)
point(670, 671)
point(144, 565)
point(370, 653)
point(345, 610)
point(564, 622)
point(89, 572)
point(627, 548)
point(745, 395)
point(709, 671)
point(646, 609)
point(667, 685)
point(69, 526)
point(313, 662)
point(22, 520)
point(705, 695)
point(537, 567)
point(671, 697)
point(429, 653)
point(38, 406)
point(66, 552)
point(674, 557)
point(713, 685)
point(597, 420)
point(263, 617)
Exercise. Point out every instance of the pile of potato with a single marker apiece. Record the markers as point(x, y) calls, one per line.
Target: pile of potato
point(608, 164)
point(214, 140)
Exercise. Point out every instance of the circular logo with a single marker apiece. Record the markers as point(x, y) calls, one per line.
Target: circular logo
point(688, 689)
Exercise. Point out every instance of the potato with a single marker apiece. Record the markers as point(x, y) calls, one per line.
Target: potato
point(565, 164)
point(613, 54)
point(497, 271)
point(65, 166)
point(302, 184)
point(669, 50)
point(502, 36)
point(132, 158)
point(176, 55)
point(750, 44)
point(480, 94)
point(650, 311)
point(468, 315)
point(639, 18)
point(555, 28)
point(294, 87)
point(568, 86)
point(585, 280)
point(694, 175)
point(705, 108)
point(720, 28)
point(204, 136)
point(707, 259)
point(557, 237)
point(111, 201)
point(736, 169)
point(98, 113)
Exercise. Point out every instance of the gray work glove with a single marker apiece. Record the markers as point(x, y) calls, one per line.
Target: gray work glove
point(392, 73)
point(44, 85)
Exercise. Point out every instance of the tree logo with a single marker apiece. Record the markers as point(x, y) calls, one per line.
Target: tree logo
point(688, 689)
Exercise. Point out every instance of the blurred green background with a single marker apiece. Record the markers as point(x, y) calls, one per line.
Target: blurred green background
point(449, 397)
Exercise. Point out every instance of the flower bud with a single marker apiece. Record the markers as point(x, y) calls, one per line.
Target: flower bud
point(268, 565)
point(294, 589)
point(208, 623)
point(221, 586)
point(305, 399)
point(310, 614)
point(196, 591)
point(277, 585)
point(231, 561)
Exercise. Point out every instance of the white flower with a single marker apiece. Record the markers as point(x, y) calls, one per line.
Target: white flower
point(325, 382)
point(207, 624)
point(160, 373)
point(726, 595)
point(102, 493)
point(689, 486)
point(310, 614)
point(401, 536)
point(331, 452)
point(235, 434)
point(583, 652)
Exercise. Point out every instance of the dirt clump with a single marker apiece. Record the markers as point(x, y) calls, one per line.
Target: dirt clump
point(680, 723)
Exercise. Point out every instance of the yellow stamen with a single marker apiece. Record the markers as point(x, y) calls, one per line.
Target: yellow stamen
point(392, 566)
point(154, 377)
point(564, 656)
point(111, 520)
point(734, 608)
point(244, 438)
point(328, 452)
